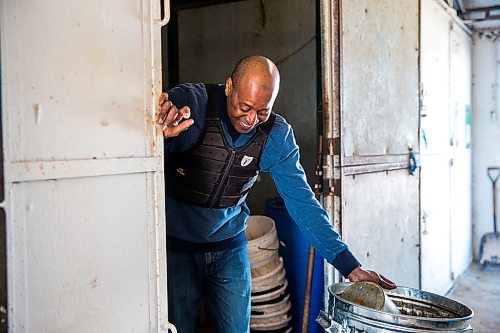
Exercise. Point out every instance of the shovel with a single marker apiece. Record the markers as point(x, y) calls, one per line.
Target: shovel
point(489, 250)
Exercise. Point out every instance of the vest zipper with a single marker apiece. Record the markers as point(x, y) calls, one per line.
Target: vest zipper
point(223, 179)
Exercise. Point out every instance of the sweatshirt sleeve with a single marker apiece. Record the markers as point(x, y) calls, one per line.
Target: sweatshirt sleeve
point(281, 159)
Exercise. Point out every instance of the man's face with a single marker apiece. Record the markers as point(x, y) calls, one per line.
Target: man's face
point(248, 104)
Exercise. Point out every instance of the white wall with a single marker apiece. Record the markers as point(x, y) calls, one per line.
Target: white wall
point(485, 133)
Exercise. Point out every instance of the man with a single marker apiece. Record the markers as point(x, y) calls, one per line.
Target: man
point(217, 139)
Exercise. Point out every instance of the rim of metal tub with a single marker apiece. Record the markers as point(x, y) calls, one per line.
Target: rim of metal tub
point(448, 315)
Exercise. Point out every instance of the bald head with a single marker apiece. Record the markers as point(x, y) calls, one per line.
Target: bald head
point(258, 69)
point(251, 91)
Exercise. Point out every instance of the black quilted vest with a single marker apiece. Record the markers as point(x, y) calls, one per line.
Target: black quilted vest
point(212, 174)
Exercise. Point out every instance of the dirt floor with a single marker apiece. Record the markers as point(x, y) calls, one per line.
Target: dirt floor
point(480, 291)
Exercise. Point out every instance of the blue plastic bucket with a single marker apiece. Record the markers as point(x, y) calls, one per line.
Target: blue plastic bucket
point(295, 255)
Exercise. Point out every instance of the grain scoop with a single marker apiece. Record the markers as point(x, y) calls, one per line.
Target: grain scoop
point(371, 295)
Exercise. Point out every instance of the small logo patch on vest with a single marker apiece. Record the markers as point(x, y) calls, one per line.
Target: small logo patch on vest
point(246, 160)
point(180, 171)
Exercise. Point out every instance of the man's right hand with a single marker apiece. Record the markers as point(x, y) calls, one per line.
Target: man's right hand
point(359, 274)
point(172, 120)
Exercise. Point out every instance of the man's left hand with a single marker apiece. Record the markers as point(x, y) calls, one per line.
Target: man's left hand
point(359, 274)
point(172, 120)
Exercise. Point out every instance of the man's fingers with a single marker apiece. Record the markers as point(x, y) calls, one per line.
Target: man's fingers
point(185, 125)
point(168, 114)
point(359, 274)
point(165, 106)
point(183, 113)
point(381, 280)
point(385, 279)
point(164, 110)
point(163, 98)
point(171, 131)
point(386, 283)
point(173, 120)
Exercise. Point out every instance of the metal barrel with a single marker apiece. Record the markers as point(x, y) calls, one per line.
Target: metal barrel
point(420, 311)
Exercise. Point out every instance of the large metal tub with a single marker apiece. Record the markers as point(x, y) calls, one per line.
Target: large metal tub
point(420, 312)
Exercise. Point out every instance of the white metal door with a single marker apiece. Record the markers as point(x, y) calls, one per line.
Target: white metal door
point(435, 174)
point(379, 199)
point(83, 166)
point(460, 153)
point(445, 141)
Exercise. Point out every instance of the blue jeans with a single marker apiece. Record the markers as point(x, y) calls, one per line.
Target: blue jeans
point(223, 280)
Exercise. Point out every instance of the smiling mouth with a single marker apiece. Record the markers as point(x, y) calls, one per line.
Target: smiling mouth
point(245, 125)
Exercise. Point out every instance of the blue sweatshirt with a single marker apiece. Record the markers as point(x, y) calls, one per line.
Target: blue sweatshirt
point(198, 229)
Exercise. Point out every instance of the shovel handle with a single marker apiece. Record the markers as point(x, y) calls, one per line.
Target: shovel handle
point(493, 173)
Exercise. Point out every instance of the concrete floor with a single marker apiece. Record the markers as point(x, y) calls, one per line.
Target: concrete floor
point(480, 291)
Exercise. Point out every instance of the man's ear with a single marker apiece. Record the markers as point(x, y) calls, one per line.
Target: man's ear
point(229, 87)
